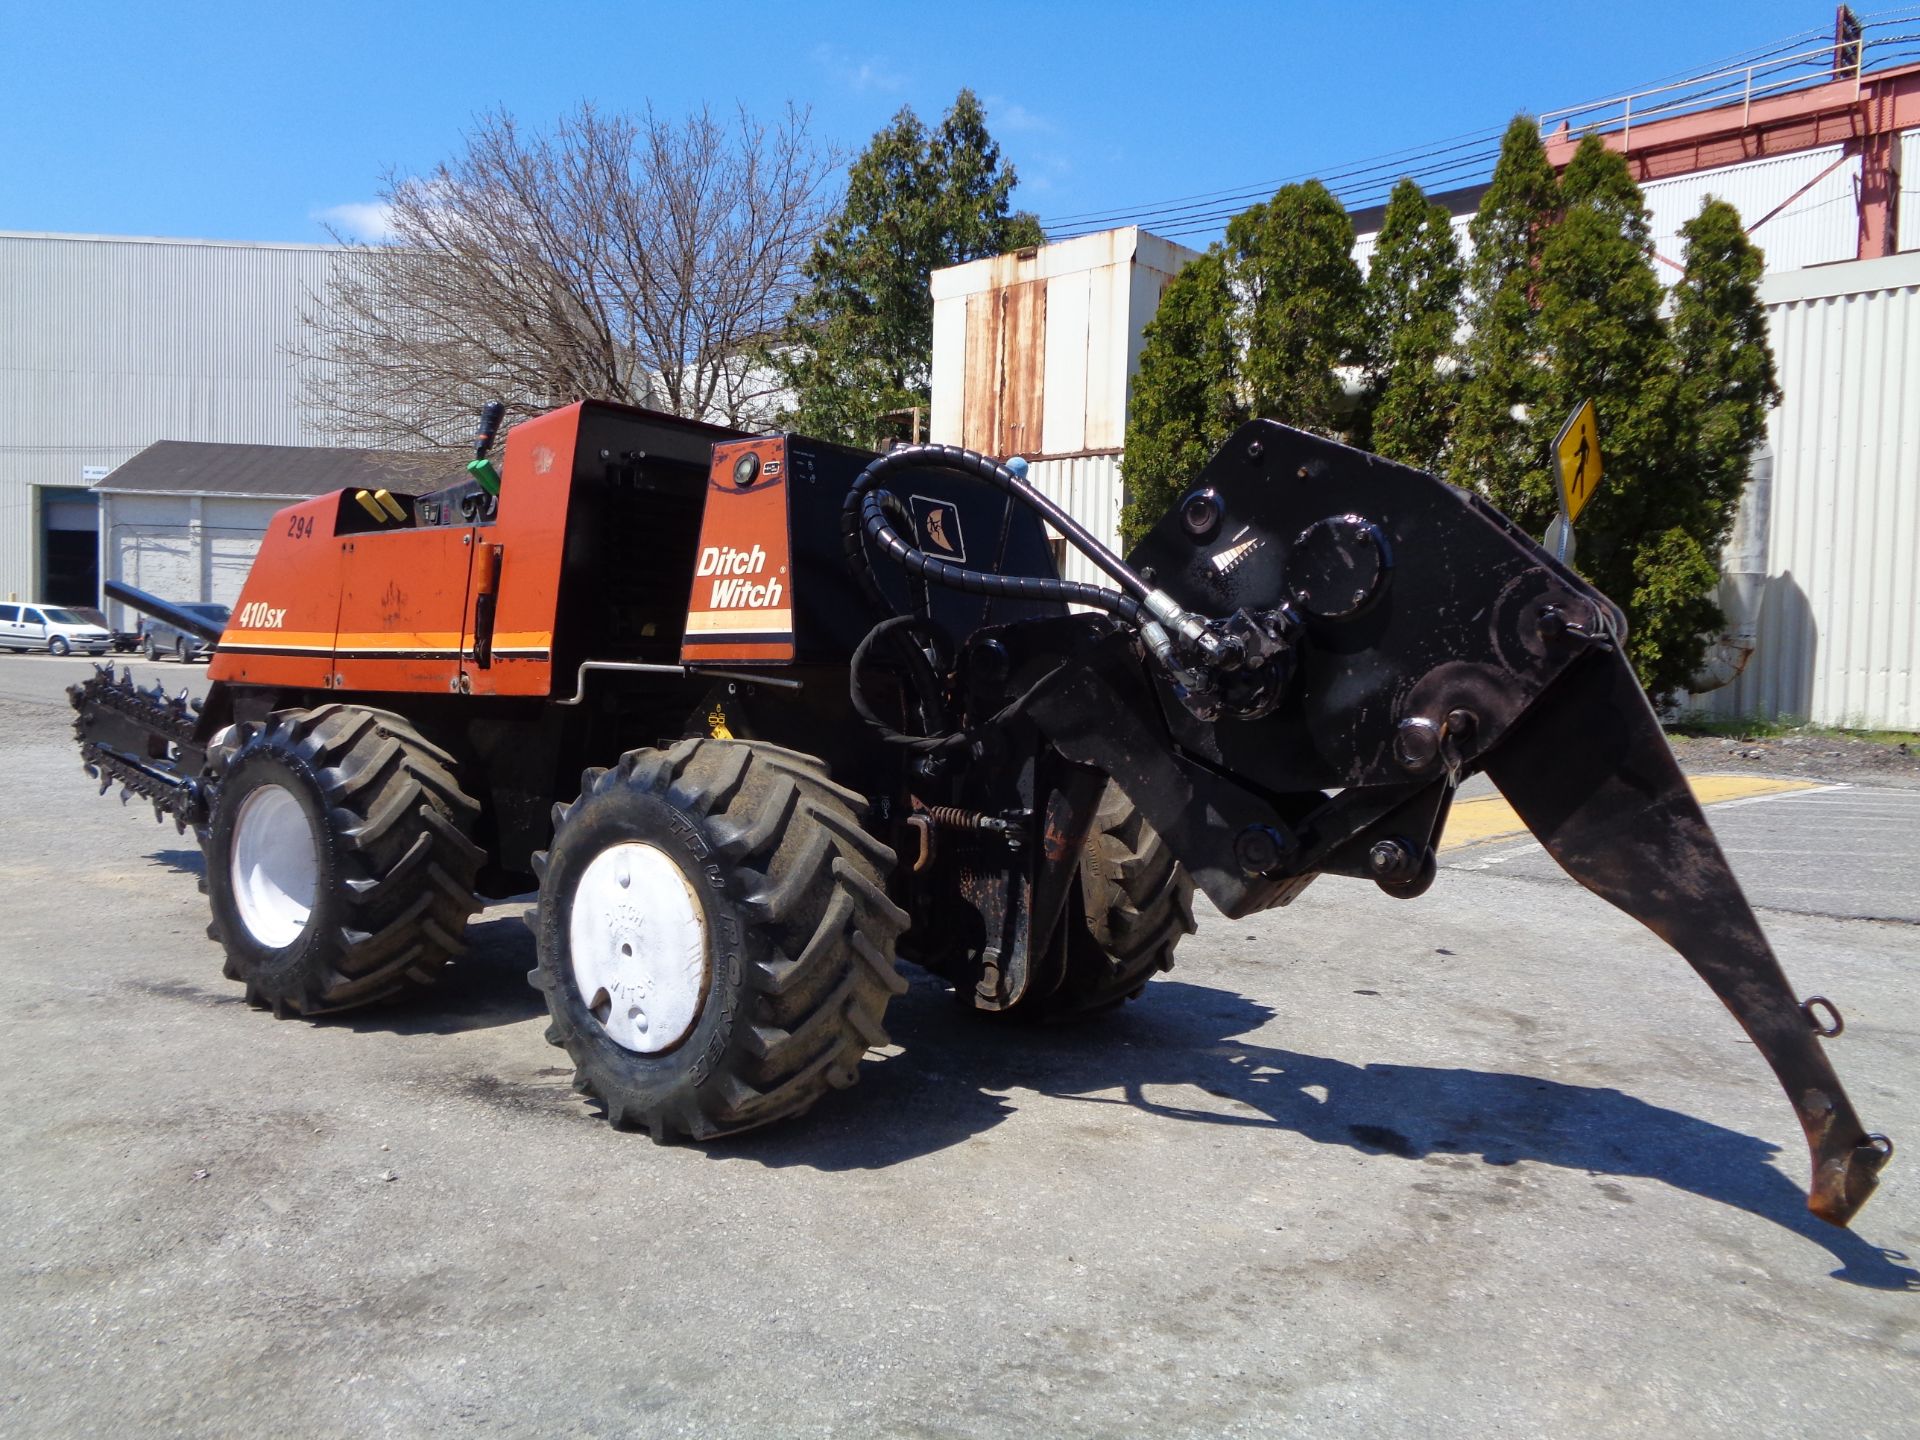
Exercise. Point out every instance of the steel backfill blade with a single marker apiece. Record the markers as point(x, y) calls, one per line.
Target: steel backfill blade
point(1591, 774)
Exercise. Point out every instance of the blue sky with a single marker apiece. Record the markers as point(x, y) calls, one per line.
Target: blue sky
point(261, 121)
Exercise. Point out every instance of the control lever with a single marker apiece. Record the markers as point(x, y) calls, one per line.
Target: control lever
point(480, 467)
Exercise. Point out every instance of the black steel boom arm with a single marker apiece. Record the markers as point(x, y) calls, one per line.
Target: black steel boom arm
point(1429, 639)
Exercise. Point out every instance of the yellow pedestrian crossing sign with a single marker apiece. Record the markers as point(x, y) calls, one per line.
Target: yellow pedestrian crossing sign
point(1577, 453)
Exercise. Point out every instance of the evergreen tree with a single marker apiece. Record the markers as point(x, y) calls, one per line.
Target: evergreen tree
point(1495, 451)
point(1186, 397)
point(859, 342)
point(1412, 317)
point(1603, 337)
point(1255, 327)
point(1727, 381)
point(1723, 387)
point(1293, 260)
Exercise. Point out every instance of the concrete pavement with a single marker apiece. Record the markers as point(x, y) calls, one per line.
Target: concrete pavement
point(1489, 1162)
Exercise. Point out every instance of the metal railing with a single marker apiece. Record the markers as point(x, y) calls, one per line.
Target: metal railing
point(1882, 44)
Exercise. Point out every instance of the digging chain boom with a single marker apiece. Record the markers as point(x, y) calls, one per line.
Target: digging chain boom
point(139, 738)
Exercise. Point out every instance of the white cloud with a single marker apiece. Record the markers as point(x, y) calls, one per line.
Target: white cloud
point(368, 221)
point(1012, 118)
point(873, 73)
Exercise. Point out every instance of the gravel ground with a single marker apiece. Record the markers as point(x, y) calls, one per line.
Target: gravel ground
point(1802, 757)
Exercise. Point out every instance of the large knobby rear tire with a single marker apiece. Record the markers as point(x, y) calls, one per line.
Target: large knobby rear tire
point(1135, 907)
point(339, 859)
point(715, 938)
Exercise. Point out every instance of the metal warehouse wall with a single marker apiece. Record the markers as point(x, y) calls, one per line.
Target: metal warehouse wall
point(109, 344)
point(1839, 637)
point(1909, 216)
point(1088, 488)
point(181, 547)
point(1814, 228)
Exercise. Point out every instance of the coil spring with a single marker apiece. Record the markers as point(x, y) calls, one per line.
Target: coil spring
point(952, 817)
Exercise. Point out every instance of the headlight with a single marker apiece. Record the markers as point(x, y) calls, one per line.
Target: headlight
point(746, 469)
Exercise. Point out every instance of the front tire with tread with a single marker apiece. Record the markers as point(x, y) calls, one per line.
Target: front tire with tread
point(395, 857)
point(800, 934)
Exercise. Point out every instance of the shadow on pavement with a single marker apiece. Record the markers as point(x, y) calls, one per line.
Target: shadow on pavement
point(187, 861)
point(483, 988)
point(941, 1092)
point(949, 1084)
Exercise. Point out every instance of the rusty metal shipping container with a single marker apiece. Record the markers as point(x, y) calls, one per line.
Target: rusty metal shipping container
point(1034, 352)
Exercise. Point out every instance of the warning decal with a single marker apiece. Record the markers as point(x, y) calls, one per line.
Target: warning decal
point(937, 527)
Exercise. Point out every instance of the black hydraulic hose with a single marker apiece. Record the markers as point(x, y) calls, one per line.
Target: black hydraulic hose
point(864, 518)
point(914, 643)
point(862, 655)
point(917, 598)
point(927, 744)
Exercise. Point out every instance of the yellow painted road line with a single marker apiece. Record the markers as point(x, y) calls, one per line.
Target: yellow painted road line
point(1490, 817)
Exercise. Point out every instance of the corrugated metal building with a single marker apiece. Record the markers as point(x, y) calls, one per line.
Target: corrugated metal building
point(1839, 621)
point(1034, 355)
point(183, 519)
point(1801, 209)
point(108, 344)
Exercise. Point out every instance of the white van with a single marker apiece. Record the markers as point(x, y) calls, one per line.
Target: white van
point(59, 632)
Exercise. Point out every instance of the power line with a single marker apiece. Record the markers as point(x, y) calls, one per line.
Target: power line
point(1414, 151)
point(1362, 183)
point(1357, 194)
point(1363, 172)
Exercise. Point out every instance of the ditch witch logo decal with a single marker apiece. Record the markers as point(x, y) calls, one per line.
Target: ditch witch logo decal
point(740, 579)
point(937, 525)
point(741, 606)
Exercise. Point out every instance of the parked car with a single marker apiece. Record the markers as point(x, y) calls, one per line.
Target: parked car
point(158, 638)
point(59, 631)
point(123, 640)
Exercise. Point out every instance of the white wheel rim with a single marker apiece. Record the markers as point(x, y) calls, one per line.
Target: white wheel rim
point(275, 866)
point(637, 941)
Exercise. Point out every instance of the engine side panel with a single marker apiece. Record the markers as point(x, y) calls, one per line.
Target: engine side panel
point(586, 554)
point(284, 622)
point(530, 527)
point(403, 599)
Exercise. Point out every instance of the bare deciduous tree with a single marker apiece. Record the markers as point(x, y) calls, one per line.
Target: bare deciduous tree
point(617, 257)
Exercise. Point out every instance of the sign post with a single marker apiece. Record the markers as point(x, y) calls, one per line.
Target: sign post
point(1579, 468)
